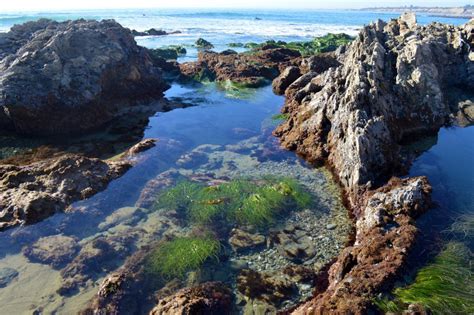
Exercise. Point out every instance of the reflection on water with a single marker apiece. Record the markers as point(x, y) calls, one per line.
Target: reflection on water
point(58, 264)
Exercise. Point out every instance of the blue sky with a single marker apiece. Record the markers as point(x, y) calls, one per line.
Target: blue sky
point(28, 5)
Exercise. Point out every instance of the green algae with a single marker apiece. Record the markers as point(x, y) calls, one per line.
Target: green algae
point(204, 44)
point(280, 117)
point(176, 257)
point(326, 43)
point(171, 52)
point(242, 202)
point(445, 286)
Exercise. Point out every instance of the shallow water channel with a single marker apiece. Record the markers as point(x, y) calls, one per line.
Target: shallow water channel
point(56, 266)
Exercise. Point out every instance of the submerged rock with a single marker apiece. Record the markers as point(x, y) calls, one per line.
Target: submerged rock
point(62, 77)
point(265, 287)
point(142, 146)
point(294, 243)
point(240, 240)
point(56, 250)
point(31, 193)
point(126, 216)
point(207, 298)
point(7, 275)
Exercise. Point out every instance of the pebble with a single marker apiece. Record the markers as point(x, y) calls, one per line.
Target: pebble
point(331, 226)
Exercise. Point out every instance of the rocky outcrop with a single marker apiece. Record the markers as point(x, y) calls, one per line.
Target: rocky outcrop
point(154, 32)
point(247, 69)
point(385, 235)
point(207, 298)
point(71, 76)
point(33, 192)
point(396, 81)
point(283, 81)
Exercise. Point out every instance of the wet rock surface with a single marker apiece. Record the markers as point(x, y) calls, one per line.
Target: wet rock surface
point(33, 192)
point(207, 298)
point(56, 250)
point(240, 240)
point(391, 85)
point(247, 69)
point(90, 70)
point(385, 235)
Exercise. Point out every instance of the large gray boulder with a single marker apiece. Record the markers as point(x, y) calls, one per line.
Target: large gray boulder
point(71, 76)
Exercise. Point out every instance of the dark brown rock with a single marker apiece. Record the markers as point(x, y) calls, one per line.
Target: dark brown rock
point(89, 71)
point(31, 193)
point(283, 81)
point(212, 298)
point(250, 70)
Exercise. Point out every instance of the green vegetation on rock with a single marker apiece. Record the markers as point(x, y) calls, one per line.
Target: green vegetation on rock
point(243, 202)
point(202, 43)
point(236, 45)
point(176, 257)
point(168, 53)
point(446, 286)
point(327, 43)
point(280, 117)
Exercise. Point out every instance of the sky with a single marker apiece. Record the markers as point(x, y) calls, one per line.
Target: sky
point(45, 5)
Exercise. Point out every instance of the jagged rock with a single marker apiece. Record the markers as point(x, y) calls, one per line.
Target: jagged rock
point(89, 71)
point(7, 275)
point(396, 80)
point(385, 235)
point(283, 81)
point(393, 84)
point(56, 250)
point(33, 192)
point(207, 298)
point(320, 63)
point(240, 240)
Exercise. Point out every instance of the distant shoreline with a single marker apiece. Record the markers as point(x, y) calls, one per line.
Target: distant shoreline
point(466, 12)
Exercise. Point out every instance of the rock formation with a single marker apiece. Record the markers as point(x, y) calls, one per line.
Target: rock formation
point(396, 81)
point(71, 76)
point(33, 192)
point(207, 298)
point(247, 69)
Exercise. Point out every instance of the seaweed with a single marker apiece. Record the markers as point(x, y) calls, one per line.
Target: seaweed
point(280, 117)
point(241, 201)
point(445, 286)
point(326, 43)
point(176, 257)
